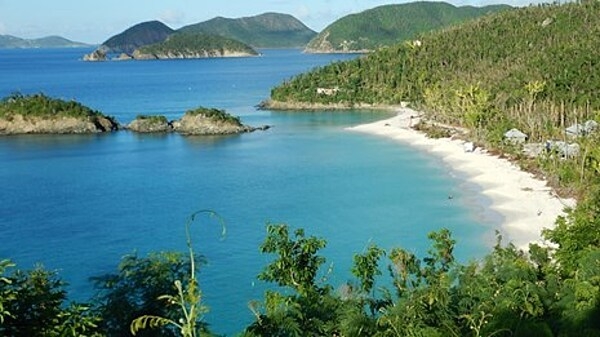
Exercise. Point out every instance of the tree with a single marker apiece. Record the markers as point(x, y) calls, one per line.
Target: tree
point(134, 289)
point(310, 309)
point(33, 305)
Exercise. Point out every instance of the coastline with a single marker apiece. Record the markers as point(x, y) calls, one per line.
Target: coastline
point(526, 204)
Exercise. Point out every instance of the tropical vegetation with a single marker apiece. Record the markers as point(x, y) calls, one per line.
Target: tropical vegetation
point(532, 68)
point(391, 24)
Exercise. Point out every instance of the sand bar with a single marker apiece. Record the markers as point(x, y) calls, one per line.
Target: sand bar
point(526, 203)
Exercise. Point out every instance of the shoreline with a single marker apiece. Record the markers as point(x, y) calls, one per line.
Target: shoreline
point(525, 203)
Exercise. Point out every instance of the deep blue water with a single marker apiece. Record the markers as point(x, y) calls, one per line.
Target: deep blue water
point(79, 203)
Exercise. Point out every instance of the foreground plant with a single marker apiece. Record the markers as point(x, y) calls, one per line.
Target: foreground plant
point(188, 298)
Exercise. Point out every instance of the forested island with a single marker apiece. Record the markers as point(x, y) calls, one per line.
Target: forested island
point(532, 68)
point(39, 113)
point(218, 37)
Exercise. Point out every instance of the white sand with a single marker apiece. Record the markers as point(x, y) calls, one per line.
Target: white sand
point(526, 204)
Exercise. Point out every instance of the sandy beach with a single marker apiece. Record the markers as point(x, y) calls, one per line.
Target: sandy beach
point(526, 203)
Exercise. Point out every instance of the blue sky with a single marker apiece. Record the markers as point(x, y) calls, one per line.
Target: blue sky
point(95, 21)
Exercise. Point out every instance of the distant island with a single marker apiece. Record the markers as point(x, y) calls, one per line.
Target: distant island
point(219, 37)
point(268, 30)
point(13, 42)
point(390, 24)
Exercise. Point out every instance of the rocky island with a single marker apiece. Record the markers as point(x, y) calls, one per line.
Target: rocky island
point(20, 114)
point(199, 121)
point(40, 114)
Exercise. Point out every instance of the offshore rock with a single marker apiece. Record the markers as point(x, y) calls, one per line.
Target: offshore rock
point(150, 124)
point(199, 124)
point(17, 124)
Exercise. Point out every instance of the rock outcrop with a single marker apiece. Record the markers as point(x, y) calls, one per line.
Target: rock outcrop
point(18, 124)
point(200, 124)
point(95, 56)
point(150, 124)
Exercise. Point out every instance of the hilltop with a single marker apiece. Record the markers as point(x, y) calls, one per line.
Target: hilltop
point(139, 35)
point(268, 30)
point(9, 41)
point(390, 24)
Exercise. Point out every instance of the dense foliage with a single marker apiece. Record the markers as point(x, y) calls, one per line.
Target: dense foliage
point(190, 43)
point(268, 30)
point(548, 292)
point(391, 24)
point(40, 105)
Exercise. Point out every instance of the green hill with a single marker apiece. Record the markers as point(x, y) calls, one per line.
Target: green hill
point(390, 24)
point(9, 41)
point(533, 68)
point(268, 30)
point(191, 45)
point(137, 36)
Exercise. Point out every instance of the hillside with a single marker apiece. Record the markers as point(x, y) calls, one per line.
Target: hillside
point(535, 69)
point(268, 30)
point(9, 41)
point(137, 36)
point(390, 24)
point(191, 45)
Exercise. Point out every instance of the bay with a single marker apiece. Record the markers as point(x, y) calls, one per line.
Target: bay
point(79, 203)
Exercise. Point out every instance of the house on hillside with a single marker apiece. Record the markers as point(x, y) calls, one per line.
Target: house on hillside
point(327, 91)
point(579, 130)
point(515, 136)
point(563, 149)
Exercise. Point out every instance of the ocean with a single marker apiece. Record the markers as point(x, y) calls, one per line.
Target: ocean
point(78, 203)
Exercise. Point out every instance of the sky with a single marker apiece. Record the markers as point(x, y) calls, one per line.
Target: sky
point(95, 21)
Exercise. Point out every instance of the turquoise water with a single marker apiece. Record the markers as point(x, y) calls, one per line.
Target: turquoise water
point(79, 203)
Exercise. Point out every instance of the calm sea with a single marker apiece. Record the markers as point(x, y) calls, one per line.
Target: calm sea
point(77, 204)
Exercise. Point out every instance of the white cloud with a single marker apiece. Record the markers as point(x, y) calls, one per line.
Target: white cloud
point(2, 29)
point(172, 17)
